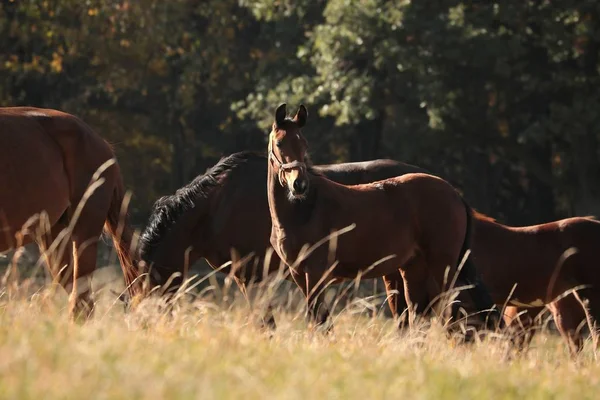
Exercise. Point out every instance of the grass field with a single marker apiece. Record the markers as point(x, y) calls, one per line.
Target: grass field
point(212, 348)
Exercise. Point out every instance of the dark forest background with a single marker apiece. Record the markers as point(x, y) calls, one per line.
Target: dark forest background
point(501, 99)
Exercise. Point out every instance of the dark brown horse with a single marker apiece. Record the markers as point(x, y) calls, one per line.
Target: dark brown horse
point(542, 263)
point(54, 166)
point(416, 223)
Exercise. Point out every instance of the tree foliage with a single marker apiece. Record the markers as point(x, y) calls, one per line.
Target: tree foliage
point(500, 99)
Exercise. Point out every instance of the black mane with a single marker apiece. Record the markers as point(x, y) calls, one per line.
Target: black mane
point(167, 210)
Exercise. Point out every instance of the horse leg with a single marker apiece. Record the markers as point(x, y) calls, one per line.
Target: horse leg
point(479, 296)
point(69, 260)
point(416, 293)
point(267, 320)
point(475, 301)
point(56, 249)
point(88, 226)
point(590, 300)
point(312, 289)
point(568, 316)
point(394, 288)
point(520, 323)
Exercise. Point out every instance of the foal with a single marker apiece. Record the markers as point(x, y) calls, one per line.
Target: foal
point(417, 223)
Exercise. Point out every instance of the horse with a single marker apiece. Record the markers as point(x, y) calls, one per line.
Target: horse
point(416, 223)
point(223, 214)
point(552, 265)
point(235, 190)
point(57, 172)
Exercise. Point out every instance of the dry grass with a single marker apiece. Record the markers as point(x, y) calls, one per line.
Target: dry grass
point(211, 347)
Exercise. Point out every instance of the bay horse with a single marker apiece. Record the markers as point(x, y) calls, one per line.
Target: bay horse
point(57, 168)
point(416, 223)
point(224, 214)
point(542, 263)
point(226, 208)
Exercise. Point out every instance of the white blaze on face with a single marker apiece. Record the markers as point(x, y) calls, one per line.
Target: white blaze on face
point(291, 177)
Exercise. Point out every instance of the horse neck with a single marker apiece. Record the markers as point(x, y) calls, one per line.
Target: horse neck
point(181, 248)
point(285, 213)
point(276, 197)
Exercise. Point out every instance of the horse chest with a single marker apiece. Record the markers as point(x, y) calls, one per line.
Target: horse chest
point(288, 246)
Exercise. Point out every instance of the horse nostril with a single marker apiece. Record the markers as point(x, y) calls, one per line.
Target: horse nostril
point(300, 185)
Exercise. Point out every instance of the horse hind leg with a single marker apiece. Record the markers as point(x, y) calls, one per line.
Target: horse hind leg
point(569, 317)
point(56, 250)
point(590, 301)
point(417, 290)
point(61, 254)
point(480, 296)
point(88, 227)
point(394, 288)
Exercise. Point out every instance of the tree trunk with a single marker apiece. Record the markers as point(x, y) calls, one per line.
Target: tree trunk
point(366, 143)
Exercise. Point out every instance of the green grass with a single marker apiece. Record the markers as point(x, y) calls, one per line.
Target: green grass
point(212, 349)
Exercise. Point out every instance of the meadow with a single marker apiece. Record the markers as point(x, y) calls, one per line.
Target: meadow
point(208, 345)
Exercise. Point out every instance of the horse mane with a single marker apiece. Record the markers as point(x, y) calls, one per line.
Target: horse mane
point(168, 209)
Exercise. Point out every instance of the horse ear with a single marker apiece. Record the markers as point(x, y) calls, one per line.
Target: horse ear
point(301, 116)
point(280, 113)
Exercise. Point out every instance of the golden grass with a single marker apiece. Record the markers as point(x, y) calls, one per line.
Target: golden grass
point(211, 348)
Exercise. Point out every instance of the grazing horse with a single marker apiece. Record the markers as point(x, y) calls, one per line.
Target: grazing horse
point(224, 214)
point(542, 263)
point(416, 223)
point(54, 166)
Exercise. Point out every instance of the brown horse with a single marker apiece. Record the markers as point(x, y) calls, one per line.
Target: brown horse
point(417, 223)
point(224, 214)
point(54, 165)
point(542, 263)
point(206, 216)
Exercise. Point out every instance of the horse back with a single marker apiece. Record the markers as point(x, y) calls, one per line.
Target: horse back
point(32, 172)
point(83, 151)
point(366, 171)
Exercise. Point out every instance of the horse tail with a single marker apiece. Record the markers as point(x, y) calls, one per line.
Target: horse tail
point(118, 228)
point(469, 275)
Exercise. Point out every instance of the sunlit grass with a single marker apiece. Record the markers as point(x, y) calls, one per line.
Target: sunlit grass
point(212, 347)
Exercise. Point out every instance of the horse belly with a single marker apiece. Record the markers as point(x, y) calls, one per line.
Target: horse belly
point(32, 177)
point(372, 261)
point(379, 246)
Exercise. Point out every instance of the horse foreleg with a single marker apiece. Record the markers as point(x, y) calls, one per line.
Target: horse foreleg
point(313, 291)
point(520, 324)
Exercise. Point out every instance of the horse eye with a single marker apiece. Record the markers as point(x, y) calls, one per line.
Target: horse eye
point(278, 143)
